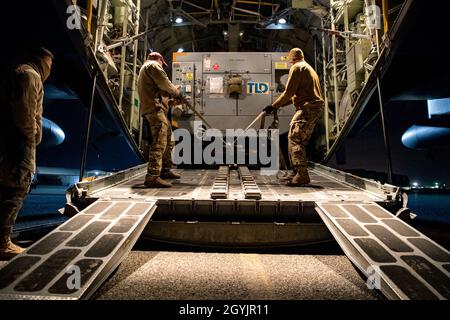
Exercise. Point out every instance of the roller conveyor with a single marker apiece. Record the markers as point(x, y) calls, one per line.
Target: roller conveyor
point(249, 186)
point(219, 189)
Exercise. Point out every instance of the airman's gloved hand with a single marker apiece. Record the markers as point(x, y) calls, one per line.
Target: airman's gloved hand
point(178, 100)
point(269, 109)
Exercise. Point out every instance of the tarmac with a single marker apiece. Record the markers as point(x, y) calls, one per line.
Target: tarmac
point(191, 275)
point(155, 272)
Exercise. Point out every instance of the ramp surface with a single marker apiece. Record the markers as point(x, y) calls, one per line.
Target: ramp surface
point(75, 259)
point(399, 260)
point(199, 184)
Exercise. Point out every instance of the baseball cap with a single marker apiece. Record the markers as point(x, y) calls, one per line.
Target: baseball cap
point(156, 56)
point(295, 54)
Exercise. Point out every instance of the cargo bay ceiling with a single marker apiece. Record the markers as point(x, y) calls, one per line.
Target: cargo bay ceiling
point(231, 25)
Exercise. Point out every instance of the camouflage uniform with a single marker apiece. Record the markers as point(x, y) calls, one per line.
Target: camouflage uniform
point(20, 133)
point(14, 187)
point(160, 157)
point(301, 129)
point(154, 88)
point(303, 89)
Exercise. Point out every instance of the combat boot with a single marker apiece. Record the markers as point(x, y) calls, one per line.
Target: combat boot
point(169, 174)
point(300, 179)
point(288, 176)
point(156, 182)
point(9, 250)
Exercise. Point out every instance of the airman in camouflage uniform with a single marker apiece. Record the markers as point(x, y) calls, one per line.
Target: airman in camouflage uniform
point(20, 132)
point(155, 90)
point(302, 89)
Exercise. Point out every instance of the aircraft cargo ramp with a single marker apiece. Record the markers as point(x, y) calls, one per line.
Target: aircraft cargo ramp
point(231, 207)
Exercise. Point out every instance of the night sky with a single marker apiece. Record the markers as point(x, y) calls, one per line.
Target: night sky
point(365, 148)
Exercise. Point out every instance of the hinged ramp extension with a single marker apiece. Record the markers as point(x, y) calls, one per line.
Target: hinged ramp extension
point(410, 265)
point(92, 244)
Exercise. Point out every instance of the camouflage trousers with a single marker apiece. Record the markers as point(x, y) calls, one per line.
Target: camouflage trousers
point(302, 127)
point(160, 155)
point(14, 186)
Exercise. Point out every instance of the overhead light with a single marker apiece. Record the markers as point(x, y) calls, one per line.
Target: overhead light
point(241, 34)
point(225, 33)
point(180, 50)
point(282, 21)
point(179, 20)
